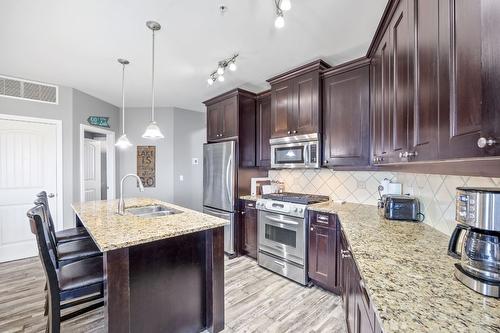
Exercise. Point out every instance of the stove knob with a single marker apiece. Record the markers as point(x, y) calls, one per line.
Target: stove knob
point(295, 209)
point(300, 210)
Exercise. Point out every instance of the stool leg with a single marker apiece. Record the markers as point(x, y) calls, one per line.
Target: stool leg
point(54, 317)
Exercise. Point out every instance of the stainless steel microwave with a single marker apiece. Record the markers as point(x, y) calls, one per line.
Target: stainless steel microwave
point(300, 151)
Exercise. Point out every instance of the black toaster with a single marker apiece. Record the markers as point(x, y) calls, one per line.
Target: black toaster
point(401, 207)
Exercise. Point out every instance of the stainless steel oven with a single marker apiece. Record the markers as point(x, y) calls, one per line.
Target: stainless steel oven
point(301, 151)
point(282, 238)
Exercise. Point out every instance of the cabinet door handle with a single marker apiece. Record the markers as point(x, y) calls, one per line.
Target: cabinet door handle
point(312, 229)
point(289, 132)
point(322, 219)
point(326, 161)
point(295, 132)
point(482, 142)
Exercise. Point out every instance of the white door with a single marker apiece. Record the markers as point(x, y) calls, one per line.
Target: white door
point(28, 165)
point(92, 170)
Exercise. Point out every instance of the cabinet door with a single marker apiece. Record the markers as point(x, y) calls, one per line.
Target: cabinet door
point(249, 230)
point(230, 117)
point(402, 88)
point(349, 283)
point(264, 131)
point(281, 109)
point(306, 104)
point(382, 99)
point(346, 116)
point(322, 254)
point(470, 69)
point(214, 122)
point(425, 113)
point(363, 314)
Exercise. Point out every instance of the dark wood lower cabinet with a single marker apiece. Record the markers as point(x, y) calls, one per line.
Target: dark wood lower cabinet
point(323, 243)
point(332, 266)
point(248, 229)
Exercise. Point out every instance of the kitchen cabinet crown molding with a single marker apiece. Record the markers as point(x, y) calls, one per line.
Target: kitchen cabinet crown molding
point(229, 94)
point(264, 94)
point(346, 67)
point(317, 65)
point(389, 10)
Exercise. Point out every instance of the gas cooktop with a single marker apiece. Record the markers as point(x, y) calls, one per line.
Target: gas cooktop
point(298, 198)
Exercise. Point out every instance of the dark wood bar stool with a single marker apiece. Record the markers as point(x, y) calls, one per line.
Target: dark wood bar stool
point(77, 283)
point(66, 235)
point(70, 251)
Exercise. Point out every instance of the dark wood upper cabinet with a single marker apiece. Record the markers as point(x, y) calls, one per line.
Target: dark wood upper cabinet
point(263, 130)
point(232, 116)
point(470, 77)
point(249, 229)
point(296, 101)
point(401, 36)
point(424, 140)
point(346, 114)
point(436, 72)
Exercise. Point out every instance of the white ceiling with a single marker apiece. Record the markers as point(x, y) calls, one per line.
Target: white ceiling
point(76, 43)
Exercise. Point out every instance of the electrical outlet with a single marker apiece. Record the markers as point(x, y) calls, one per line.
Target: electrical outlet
point(195, 161)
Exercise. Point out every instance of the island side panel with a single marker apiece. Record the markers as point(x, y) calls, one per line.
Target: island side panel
point(116, 290)
point(215, 280)
point(168, 284)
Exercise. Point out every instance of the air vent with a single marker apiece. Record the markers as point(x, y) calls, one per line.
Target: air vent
point(28, 90)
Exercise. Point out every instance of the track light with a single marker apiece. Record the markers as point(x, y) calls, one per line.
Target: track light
point(285, 5)
point(218, 74)
point(279, 22)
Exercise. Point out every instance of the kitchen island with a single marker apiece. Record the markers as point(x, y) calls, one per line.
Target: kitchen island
point(163, 271)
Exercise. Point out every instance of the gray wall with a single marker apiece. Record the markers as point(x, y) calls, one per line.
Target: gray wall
point(136, 121)
point(189, 136)
point(84, 106)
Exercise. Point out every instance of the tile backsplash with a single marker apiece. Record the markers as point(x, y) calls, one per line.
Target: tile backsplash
point(435, 192)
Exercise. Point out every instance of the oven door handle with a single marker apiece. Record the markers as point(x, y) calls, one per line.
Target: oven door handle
point(275, 219)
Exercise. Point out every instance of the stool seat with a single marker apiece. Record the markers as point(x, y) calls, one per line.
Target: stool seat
point(71, 234)
point(80, 274)
point(76, 250)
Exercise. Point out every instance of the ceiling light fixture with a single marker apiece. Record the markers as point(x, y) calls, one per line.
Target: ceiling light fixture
point(123, 142)
point(218, 74)
point(153, 131)
point(281, 6)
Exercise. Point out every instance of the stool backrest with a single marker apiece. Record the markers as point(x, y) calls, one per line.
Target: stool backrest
point(46, 251)
point(45, 200)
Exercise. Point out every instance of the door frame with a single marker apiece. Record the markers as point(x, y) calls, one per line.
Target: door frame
point(59, 158)
point(110, 160)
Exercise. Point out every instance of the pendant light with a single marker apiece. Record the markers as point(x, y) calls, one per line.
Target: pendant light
point(153, 131)
point(123, 142)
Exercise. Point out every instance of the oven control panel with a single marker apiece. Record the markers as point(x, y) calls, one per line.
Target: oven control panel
point(466, 207)
point(281, 207)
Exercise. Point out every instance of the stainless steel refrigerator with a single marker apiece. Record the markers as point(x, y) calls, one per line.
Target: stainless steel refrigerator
point(219, 186)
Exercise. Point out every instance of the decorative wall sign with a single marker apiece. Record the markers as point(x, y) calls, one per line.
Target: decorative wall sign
point(98, 121)
point(146, 165)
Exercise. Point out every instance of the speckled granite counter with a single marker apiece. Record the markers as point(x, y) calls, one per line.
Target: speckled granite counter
point(409, 275)
point(250, 197)
point(112, 231)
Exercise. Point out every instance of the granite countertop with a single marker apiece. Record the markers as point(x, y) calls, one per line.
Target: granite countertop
point(409, 276)
point(111, 231)
point(250, 197)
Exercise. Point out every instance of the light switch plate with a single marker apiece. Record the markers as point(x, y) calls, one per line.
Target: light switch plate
point(181, 178)
point(195, 161)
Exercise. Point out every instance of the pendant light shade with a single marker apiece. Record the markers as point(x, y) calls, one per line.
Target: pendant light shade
point(153, 131)
point(123, 142)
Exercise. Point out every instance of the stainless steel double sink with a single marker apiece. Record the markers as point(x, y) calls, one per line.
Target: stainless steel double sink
point(152, 211)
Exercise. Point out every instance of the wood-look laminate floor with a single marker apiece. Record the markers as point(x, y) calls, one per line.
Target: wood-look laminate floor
point(256, 301)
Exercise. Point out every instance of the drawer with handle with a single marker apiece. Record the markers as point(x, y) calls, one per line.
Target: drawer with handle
point(323, 219)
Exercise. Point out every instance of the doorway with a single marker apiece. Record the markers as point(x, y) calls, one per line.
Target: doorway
point(30, 162)
point(97, 164)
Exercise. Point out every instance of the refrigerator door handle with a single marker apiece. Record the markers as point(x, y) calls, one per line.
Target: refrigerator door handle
point(228, 174)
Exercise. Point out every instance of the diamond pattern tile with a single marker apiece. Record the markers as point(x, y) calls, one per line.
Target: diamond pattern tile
point(435, 192)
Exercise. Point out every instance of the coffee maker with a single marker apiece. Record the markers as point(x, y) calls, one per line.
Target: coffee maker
point(476, 239)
